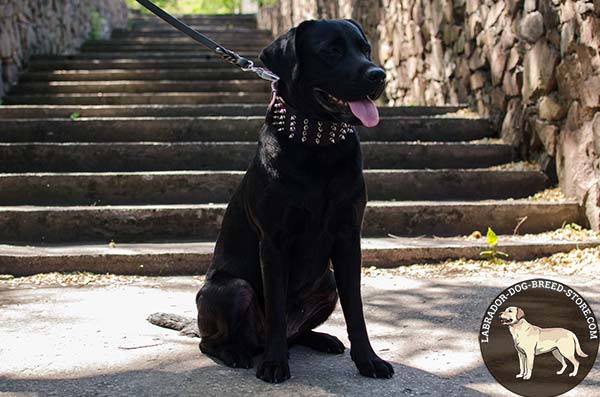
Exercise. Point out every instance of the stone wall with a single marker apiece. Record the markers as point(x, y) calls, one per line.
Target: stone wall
point(532, 66)
point(30, 27)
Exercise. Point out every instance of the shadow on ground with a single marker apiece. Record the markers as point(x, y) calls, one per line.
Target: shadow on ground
point(95, 341)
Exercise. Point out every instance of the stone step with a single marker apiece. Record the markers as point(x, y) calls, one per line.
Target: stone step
point(193, 187)
point(216, 19)
point(215, 33)
point(198, 17)
point(200, 55)
point(120, 98)
point(194, 257)
point(68, 63)
point(235, 40)
point(154, 28)
point(169, 156)
point(65, 111)
point(135, 86)
point(225, 24)
point(225, 129)
point(146, 74)
point(146, 223)
point(254, 48)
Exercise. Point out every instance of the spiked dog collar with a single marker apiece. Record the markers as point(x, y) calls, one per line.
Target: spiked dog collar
point(309, 131)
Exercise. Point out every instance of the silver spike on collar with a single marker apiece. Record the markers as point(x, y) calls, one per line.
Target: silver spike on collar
point(305, 130)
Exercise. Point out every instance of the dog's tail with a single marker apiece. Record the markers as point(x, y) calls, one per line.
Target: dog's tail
point(578, 348)
point(185, 325)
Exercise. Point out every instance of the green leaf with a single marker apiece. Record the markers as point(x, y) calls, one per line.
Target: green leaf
point(75, 116)
point(482, 253)
point(504, 254)
point(492, 238)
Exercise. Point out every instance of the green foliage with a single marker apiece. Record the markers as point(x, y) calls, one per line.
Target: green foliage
point(192, 6)
point(266, 3)
point(492, 237)
point(492, 253)
point(75, 116)
point(96, 25)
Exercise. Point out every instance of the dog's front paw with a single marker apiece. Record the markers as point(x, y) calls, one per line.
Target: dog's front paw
point(275, 371)
point(372, 366)
point(527, 376)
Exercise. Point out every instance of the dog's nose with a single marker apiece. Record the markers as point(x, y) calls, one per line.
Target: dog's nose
point(376, 74)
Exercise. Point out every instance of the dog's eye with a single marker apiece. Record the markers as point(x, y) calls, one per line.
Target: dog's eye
point(333, 51)
point(367, 50)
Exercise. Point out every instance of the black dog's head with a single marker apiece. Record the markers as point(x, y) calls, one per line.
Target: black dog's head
point(325, 71)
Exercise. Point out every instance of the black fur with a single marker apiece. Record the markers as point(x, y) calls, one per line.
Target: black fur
point(296, 215)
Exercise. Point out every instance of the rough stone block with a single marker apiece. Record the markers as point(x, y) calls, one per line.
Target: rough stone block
point(494, 14)
point(508, 37)
point(437, 60)
point(498, 99)
point(550, 109)
point(590, 92)
point(511, 126)
point(567, 11)
point(514, 58)
point(478, 80)
point(550, 13)
point(477, 59)
point(538, 71)
point(514, 6)
point(530, 5)
point(547, 134)
point(596, 132)
point(531, 27)
point(568, 76)
point(567, 36)
point(474, 25)
point(511, 83)
point(497, 64)
point(589, 32)
point(574, 119)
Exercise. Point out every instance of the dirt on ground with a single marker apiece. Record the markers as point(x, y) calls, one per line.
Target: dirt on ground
point(578, 262)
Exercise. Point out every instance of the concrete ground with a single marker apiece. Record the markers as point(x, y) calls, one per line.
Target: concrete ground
point(93, 340)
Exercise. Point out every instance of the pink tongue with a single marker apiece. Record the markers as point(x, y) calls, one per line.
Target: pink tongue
point(366, 111)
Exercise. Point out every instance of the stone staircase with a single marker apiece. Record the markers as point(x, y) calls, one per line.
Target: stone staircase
point(121, 158)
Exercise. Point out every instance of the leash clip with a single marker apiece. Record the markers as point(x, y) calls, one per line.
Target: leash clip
point(263, 73)
point(246, 64)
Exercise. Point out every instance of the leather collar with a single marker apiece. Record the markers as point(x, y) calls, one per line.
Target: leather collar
point(292, 125)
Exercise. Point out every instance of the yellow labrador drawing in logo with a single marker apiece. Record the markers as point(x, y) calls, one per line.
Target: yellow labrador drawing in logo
point(531, 340)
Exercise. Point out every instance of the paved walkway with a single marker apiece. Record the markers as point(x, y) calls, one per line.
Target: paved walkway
point(94, 341)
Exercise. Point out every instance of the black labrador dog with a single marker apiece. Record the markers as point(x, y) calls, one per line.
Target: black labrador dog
point(297, 213)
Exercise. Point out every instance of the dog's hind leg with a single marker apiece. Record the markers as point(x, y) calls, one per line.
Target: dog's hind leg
point(313, 311)
point(567, 350)
point(575, 363)
point(561, 360)
point(229, 321)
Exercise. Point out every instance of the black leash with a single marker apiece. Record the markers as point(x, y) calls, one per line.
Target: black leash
point(230, 56)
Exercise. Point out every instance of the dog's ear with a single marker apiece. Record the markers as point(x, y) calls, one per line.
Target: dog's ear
point(281, 56)
point(520, 313)
point(362, 32)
